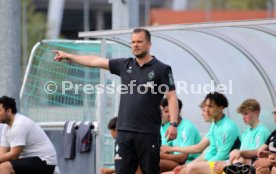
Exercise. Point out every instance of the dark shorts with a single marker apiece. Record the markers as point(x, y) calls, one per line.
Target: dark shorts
point(133, 149)
point(31, 165)
point(253, 160)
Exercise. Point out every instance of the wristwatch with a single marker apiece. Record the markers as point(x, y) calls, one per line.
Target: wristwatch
point(174, 124)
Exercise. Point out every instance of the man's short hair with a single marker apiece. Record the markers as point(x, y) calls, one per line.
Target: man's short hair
point(218, 98)
point(112, 123)
point(8, 103)
point(249, 105)
point(165, 103)
point(147, 33)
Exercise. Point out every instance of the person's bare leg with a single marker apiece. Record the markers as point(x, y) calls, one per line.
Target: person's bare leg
point(273, 171)
point(183, 171)
point(243, 161)
point(6, 168)
point(263, 171)
point(196, 168)
point(170, 172)
point(167, 165)
point(138, 171)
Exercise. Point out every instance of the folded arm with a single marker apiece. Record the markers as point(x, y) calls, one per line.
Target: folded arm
point(8, 154)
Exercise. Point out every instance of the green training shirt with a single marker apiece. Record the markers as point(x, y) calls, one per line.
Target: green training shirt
point(187, 135)
point(222, 136)
point(254, 138)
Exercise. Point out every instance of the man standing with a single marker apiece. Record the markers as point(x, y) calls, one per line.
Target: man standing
point(25, 148)
point(139, 121)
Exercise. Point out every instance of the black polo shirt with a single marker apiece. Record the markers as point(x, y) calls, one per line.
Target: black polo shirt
point(142, 91)
point(271, 142)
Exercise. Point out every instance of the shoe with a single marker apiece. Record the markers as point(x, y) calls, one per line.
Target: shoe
point(231, 169)
point(237, 169)
point(243, 168)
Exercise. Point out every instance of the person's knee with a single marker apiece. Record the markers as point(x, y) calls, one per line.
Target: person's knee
point(273, 171)
point(167, 165)
point(198, 168)
point(6, 168)
point(260, 170)
point(190, 168)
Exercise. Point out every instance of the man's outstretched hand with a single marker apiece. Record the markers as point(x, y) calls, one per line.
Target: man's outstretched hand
point(60, 55)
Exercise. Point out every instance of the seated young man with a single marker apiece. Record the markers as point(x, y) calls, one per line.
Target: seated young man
point(165, 123)
point(271, 143)
point(25, 148)
point(203, 144)
point(253, 137)
point(266, 163)
point(223, 136)
point(113, 131)
point(187, 135)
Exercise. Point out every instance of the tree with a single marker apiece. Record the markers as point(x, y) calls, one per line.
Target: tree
point(234, 4)
point(33, 29)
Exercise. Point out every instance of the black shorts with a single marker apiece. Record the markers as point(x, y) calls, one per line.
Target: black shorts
point(133, 149)
point(31, 165)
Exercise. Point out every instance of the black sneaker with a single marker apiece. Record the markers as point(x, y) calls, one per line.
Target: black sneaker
point(231, 169)
point(243, 168)
point(237, 169)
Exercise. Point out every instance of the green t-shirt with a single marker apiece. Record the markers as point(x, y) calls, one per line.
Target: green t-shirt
point(187, 135)
point(222, 136)
point(254, 138)
point(163, 131)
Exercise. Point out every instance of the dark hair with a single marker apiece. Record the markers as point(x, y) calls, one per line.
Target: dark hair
point(8, 103)
point(112, 123)
point(147, 33)
point(218, 98)
point(165, 103)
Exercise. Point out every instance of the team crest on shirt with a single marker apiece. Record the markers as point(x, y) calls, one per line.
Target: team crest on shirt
point(129, 70)
point(151, 75)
